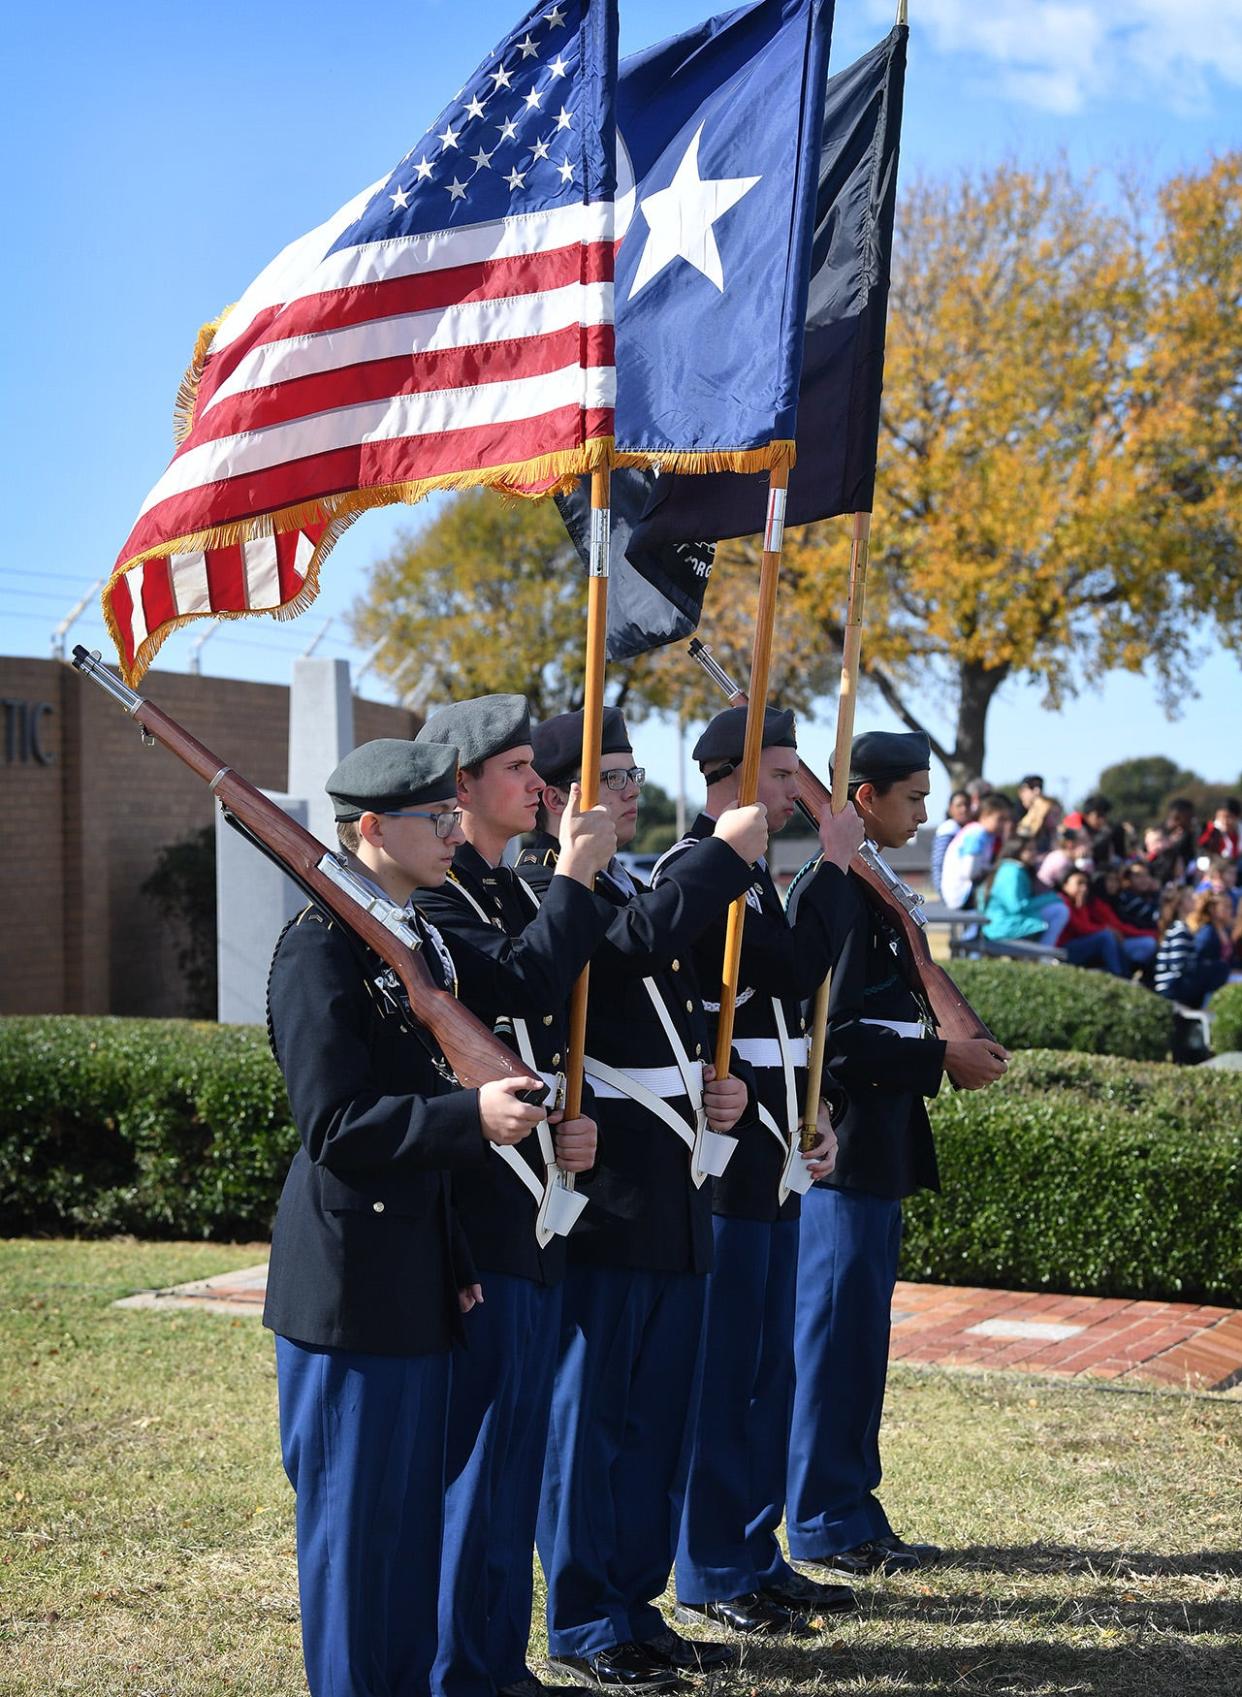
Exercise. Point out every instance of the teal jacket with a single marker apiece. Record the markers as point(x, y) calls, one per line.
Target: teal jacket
point(1016, 904)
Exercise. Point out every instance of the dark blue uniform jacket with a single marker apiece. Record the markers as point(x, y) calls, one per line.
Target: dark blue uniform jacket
point(367, 1251)
point(541, 954)
point(645, 1213)
point(779, 959)
point(885, 1136)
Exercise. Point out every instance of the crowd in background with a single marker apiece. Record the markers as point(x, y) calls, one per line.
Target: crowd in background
point(1163, 906)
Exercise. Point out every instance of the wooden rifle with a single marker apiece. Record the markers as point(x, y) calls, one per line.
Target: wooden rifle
point(899, 904)
point(474, 1053)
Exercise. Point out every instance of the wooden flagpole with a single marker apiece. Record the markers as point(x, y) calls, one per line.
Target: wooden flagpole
point(851, 651)
point(592, 739)
point(748, 785)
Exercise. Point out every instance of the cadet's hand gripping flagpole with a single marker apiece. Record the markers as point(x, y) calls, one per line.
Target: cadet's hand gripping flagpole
point(592, 739)
point(850, 653)
point(748, 786)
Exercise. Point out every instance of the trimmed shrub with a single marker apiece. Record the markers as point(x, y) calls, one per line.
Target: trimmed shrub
point(1077, 1173)
point(164, 1128)
point(1225, 1008)
point(1089, 1174)
point(1031, 1005)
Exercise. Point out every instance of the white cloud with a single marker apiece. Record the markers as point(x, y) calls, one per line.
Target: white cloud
point(1066, 55)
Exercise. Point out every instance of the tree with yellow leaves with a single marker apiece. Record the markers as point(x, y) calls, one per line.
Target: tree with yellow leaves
point(1058, 488)
point(490, 596)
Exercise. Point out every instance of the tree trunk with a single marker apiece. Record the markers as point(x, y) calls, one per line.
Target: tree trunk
point(977, 684)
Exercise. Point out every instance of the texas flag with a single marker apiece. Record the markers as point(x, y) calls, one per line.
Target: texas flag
point(719, 129)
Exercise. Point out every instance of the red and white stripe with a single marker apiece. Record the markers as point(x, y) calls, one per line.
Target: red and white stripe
point(391, 363)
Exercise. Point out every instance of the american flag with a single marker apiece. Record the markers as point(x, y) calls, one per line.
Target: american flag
point(451, 325)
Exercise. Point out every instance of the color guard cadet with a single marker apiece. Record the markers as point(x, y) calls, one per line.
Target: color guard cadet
point(730, 1566)
point(370, 1273)
point(883, 1050)
point(502, 1382)
point(633, 1303)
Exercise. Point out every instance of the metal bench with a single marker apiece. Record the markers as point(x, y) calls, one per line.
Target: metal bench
point(967, 942)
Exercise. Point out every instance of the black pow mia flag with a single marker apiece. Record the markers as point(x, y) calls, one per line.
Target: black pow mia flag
point(664, 528)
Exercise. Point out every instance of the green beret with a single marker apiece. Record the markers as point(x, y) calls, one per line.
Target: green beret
point(391, 773)
point(878, 756)
point(477, 729)
point(725, 737)
point(558, 744)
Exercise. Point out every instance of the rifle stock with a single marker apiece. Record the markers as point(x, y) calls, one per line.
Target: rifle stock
point(475, 1055)
point(955, 1018)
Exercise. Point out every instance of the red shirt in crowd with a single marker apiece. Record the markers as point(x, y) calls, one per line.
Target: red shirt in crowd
point(1096, 915)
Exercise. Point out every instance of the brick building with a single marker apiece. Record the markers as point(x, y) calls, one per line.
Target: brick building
point(85, 809)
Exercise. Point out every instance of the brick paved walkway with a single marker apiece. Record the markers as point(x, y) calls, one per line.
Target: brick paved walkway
point(1179, 1344)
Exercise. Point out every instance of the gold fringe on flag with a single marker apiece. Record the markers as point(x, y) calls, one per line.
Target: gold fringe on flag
point(558, 471)
point(187, 390)
point(773, 454)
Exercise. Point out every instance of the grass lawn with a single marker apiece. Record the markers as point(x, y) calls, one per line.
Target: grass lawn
point(146, 1543)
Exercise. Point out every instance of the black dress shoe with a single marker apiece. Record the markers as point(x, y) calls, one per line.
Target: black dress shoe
point(888, 1554)
point(689, 1655)
point(753, 1615)
point(622, 1667)
point(807, 1596)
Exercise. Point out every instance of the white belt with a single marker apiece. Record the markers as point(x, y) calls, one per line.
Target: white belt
point(899, 1027)
point(665, 1082)
point(766, 1051)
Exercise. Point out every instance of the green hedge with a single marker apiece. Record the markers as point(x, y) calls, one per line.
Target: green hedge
point(1031, 1005)
point(1225, 1008)
point(163, 1128)
point(1077, 1173)
point(1088, 1174)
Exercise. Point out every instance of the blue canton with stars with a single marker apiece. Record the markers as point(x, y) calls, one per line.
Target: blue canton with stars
point(532, 130)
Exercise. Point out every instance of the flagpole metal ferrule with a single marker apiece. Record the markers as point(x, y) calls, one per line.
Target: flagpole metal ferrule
point(700, 652)
point(774, 530)
point(94, 668)
point(601, 540)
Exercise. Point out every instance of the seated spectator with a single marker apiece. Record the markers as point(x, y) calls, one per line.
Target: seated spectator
point(1070, 850)
point(1224, 835)
point(1138, 941)
point(1181, 838)
point(958, 814)
point(1175, 974)
point(1107, 841)
point(1137, 899)
point(1040, 822)
point(1221, 879)
point(1208, 967)
point(971, 853)
point(1015, 905)
point(1235, 940)
point(976, 789)
point(1154, 842)
point(1090, 937)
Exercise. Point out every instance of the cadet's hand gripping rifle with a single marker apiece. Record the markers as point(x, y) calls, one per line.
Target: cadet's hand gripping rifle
point(474, 1054)
point(954, 1015)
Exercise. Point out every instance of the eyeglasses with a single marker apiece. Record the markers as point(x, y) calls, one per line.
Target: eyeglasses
point(445, 823)
point(619, 778)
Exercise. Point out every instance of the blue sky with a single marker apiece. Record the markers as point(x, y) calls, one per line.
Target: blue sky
point(160, 156)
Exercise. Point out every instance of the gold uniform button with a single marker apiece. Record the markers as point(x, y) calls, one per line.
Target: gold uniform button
point(676, 966)
point(556, 1060)
point(698, 1050)
point(547, 1019)
point(378, 1207)
point(803, 1024)
point(689, 1007)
